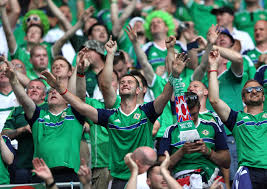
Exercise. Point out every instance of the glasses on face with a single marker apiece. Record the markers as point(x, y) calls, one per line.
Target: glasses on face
point(34, 18)
point(250, 89)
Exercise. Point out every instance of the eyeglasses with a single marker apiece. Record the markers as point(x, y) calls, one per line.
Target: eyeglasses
point(250, 89)
point(34, 18)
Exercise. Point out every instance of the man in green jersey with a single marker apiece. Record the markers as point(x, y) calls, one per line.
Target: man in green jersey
point(249, 129)
point(130, 122)
point(245, 20)
point(56, 130)
point(6, 158)
point(260, 36)
point(203, 157)
point(16, 127)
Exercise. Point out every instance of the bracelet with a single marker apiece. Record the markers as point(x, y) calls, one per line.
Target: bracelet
point(80, 74)
point(213, 71)
point(51, 185)
point(64, 92)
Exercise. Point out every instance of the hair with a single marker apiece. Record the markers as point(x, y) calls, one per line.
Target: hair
point(37, 46)
point(138, 74)
point(150, 169)
point(36, 25)
point(38, 80)
point(119, 56)
point(136, 81)
point(90, 30)
point(166, 17)
point(42, 16)
point(64, 59)
point(249, 81)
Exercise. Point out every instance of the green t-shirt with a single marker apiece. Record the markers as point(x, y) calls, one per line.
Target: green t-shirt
point(230, 89)
point(250, 136)
point(4, 174)
point(22, 54)
point(166, 118)
point(57, 137)
point(254, 54)
point(24, 152)
point(126, 133)
point(155, 55)
point(99, 138)
point(245, 20)
point(201, 15)
point(212, 134)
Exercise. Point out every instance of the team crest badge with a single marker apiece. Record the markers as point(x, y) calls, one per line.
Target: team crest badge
point(137, 116)
point(63, 115)
point(205, 132)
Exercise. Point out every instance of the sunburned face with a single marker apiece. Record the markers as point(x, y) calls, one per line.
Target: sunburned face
point(60, 68)
point(253, 94)
point(127, 86)
point(36, 91)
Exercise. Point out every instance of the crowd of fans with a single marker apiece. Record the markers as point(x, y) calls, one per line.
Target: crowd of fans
point(94, 91)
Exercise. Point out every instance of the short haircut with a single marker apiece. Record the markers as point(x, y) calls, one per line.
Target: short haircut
point(37, 46)
point(89, 32)
point(249, 81)
point(64, 59)
point(37, 25)
point(38, 80)
point(138, 74)
point(136, 81)
point(150, 169)
point(119, 56)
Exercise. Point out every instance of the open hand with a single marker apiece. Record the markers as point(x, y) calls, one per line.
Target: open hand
point(213, 33)
point(130, 162)
point(41, 169)
point(179, 64)
point(131, 33)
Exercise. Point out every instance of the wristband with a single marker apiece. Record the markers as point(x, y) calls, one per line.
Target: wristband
point(64, 92)
point(51, 185)
point(80, 74)
point(213, 71)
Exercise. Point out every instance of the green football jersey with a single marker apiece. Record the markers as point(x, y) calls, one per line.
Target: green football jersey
point(24, 153)
point(212, 134)
point(166, 118)
point(201, 15)
point(57, 137)
point(126, 133)
point(4, 174)
point(245, 20)
point(250, 135)
point(156, 55)
point(230, 89)
point(99, 138)
point(254, 54)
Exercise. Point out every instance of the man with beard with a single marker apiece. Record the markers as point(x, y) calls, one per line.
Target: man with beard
point(249, 129)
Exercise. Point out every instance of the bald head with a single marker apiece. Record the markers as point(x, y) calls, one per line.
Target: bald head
point(144, 157)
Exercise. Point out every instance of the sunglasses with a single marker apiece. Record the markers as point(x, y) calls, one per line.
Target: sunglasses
point(34, 18)
point(250, 89)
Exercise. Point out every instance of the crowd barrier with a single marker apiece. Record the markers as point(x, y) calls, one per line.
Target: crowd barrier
point(41, 185)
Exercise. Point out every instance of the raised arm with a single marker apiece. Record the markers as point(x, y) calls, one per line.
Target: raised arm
point(83, 108)
point(14, 13)
point(58, 45)
point(118, 22)
point(170, 42)
point(220, 107)
point(105, 83)
point(177, 67)
point(132, 182)
point(60, 16)
point(141, 56)
point(42, 171)
point(26, 102)
point(11, 41)
point(234, 57)
point(83, 62)
point(172, 183)
point(212, 36)
point(6, 154)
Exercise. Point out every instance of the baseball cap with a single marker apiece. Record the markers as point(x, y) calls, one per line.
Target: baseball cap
point(222, 10)
point(226, 32)
point(94, 45)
